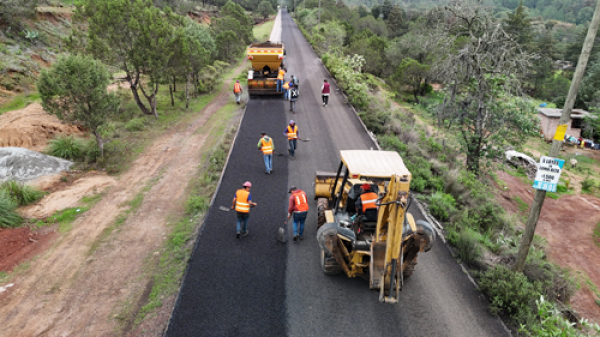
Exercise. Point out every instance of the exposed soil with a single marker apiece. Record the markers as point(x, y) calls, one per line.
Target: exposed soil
point(91, 283)
point(567, 224)
point(20, 244)
point(32, 128)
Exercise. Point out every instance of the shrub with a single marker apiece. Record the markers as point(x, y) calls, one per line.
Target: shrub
point(550, 323)
point(21, 193)
point(587, 184)
point(467, 245)
point(196, 204)
point(136, 124)
point(562, 189)
point(442, 205)
point(390, 142)
point(8, 217)
point(509, 292)
point(90, 151)
point(556, 283)
point(65, 147)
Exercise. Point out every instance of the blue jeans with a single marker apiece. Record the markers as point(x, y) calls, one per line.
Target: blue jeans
point(269, 162)
point(242, 222)
point(285, 93)
point(293, 105)
point(292, 148)
point(299, 219)
point(279, 85)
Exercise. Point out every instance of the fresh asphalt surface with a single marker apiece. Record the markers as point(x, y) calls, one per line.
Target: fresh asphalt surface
point(257, 286)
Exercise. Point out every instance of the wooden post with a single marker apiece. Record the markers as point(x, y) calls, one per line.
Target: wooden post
point(538, 200)
point(319, 19)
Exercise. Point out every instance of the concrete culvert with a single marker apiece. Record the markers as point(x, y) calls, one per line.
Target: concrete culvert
point(22, 164)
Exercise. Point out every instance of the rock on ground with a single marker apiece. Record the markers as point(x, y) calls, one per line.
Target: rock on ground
point(22, 164)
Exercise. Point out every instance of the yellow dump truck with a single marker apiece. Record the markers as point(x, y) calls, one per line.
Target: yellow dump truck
point(380, 244)
point(266, 59)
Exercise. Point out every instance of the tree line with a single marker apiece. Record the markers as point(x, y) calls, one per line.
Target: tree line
point(153, 46)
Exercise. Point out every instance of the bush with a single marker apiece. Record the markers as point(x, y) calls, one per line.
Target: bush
point(65, 147)
point(442, 205)
point(21, 193)
point(550, 323)
point(510, 293)
point(196, 204)
point(136, 124)
point(390, 142)
point(90, 151)
point(467, 245)
point(587, 184)
point(8, 217)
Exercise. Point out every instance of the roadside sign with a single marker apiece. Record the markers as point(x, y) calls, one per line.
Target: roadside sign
point(548, 174)
point(561, 130)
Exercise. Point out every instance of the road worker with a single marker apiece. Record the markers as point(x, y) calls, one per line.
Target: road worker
point(265, 144)
point(298, 207)
point(291, 131)
point(237, 91)
point(325, 89)
point(293, 94)
point(286, 87)
point(242, 201)
point(366, 201)
point(280, 76)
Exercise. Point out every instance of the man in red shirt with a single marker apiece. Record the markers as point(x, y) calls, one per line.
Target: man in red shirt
point(325, 89)
point(298, 206)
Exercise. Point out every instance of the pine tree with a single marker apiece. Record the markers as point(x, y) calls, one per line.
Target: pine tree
point(518, 25)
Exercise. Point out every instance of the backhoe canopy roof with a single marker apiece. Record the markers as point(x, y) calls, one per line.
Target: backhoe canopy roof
point(374, 164)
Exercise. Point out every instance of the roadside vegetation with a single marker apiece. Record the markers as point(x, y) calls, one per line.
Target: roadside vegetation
point(451, 149)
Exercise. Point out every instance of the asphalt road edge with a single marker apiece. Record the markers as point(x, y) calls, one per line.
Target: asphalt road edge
point(201, 229)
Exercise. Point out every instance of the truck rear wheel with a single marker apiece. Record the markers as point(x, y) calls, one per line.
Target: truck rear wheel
point(322, 206)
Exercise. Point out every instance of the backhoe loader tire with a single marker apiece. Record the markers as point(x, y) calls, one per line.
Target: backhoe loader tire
point(322, 206)
point(329, 265)
point(410, 269)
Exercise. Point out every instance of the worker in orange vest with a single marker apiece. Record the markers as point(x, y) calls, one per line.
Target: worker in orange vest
point(237, 91)
point(292, 134)
point(265, 144)
point(366, 201)
point(242, 201)
point(286, 87)
point(298, 206)
point(280, 77)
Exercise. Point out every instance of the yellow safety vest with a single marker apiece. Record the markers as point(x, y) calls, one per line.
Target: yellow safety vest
point(241, 201)
point(292, 132)
point(286, 85)
point(280, 75)
point(267, 147)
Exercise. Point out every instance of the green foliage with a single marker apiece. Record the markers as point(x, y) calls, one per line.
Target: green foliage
point(509, 292)
point(74, 90)
point(136, 124)
point(265, 9)
point(9, 218)
point(550, 322)
point(442, 205)
point(66, 147)
point(196, 204)
point(466, 242)
point(522, 205)
point(596, 234)
point(21, 193)
point(587, 184)
point(13, 12)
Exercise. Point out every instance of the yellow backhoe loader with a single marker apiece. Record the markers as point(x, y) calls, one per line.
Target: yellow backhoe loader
point(382, 244)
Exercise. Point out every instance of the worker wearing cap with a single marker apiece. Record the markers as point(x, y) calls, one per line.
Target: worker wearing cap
point(242, 201)
point(298, 206)
point(367, 200)
point(280, 76)
point(291, 131)
point(265, 144)
point(237, 91)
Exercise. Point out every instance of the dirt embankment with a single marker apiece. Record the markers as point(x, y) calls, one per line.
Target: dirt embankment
point(568, 224)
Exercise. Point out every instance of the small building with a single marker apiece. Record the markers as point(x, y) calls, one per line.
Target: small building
point(549, 121)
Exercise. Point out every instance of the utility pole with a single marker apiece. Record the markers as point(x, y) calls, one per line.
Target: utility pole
point(540, 195)
point(319, 20)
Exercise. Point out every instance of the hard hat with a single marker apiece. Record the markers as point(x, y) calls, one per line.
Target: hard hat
point(247, 184)
point(292, 121)
point(293, 188)
point(366, 187)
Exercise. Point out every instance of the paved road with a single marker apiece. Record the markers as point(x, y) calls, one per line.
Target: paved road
point(257, 286)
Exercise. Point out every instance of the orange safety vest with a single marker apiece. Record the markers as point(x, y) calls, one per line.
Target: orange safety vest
point(237, 87)
point(281, 74)
point(286, 85)
point(368, 201)
point(241, 201)
point(300, 198)
point(292, 132)
point(267, 147)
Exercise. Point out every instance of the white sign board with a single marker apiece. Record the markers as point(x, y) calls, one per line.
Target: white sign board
point(548, 174)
